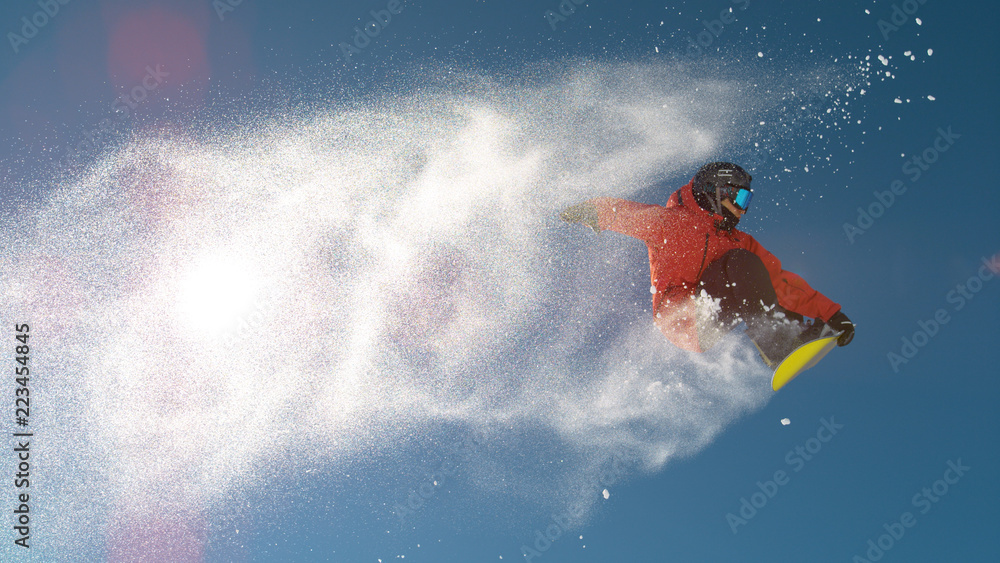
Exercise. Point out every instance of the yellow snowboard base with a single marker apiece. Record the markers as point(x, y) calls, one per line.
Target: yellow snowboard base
point(803, 358)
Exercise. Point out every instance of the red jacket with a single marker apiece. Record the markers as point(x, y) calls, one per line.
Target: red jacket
point(682, 241)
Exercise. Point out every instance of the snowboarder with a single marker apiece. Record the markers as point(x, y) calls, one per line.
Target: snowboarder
point(707, 276)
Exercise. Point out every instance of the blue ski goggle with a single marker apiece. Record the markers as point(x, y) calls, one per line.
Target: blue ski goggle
point(741, 196)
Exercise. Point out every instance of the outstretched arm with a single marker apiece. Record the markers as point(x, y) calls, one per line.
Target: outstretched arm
point(639, 220)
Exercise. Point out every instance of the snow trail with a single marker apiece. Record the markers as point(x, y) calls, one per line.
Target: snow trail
point(314, 289)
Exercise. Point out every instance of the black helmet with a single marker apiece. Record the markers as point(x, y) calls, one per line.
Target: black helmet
point(711, 180)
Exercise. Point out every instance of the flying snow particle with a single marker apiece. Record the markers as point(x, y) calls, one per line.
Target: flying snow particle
point(931, 98)
point(760, 54)
point(606, 494)
point(785, 421)
point(930, 52)
point(918, 21)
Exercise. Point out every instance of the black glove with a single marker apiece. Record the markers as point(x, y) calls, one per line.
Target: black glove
point(840, 322)
point(584, 213)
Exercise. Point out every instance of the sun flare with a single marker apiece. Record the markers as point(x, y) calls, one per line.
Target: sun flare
point(215, 294)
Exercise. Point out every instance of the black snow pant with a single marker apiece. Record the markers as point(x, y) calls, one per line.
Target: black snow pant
point(743, 287)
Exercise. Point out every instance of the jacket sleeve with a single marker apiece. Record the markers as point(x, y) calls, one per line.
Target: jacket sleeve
point(639, 220)
point(793, 292)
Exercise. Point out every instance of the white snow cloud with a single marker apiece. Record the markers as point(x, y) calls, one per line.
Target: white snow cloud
point(320, 288)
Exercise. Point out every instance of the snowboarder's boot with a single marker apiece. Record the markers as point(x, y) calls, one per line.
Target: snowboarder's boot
point(776, 340)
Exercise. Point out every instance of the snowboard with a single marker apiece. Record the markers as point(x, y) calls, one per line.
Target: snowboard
point(802, 358)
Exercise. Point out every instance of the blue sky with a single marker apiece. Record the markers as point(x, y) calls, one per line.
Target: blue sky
point(400, 317)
